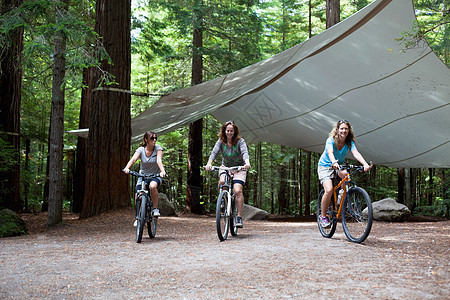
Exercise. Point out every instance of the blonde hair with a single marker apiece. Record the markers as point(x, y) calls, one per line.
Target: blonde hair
point(335, 132)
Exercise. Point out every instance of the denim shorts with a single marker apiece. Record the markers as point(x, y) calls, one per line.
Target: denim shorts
point(158, 180)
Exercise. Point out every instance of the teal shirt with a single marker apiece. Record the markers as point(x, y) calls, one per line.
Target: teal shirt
point(340, 155)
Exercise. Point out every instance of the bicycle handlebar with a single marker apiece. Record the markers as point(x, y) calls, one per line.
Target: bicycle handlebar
point(354, 167)
point(143, 175)
point(237, 168)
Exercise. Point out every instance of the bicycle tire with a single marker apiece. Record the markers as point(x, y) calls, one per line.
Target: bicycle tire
point(222, 221)
point(331, 214)
point(358, 215)
point(233, 227)
point(152, 222)
point(141, 218)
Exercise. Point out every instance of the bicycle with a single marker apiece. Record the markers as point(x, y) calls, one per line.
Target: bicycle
point(144, 206)
point(226, 211)
point(357, 216)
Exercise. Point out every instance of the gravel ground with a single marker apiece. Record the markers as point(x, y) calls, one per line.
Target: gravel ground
point(98, 258)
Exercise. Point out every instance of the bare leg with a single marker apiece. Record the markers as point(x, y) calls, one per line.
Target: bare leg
point(239, 198)
point(154, 193)
point(326, 198)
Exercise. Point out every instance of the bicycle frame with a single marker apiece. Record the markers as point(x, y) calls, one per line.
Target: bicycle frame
point(346, 180)
point(229, 187)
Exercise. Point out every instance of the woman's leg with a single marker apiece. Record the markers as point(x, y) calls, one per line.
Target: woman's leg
point(328, 192)
point(153, 187)
point(239, 196)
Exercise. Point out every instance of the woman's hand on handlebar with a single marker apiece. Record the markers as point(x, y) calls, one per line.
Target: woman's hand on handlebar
point(162, 174)
point(126, 170)
point(208, 167)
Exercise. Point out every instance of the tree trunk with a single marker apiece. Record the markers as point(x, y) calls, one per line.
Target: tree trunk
point(80, 161)
point(194, 179)
point(10, 101)
point(108, 151)
point(401, 185)
point(308, 184)
point(56, 176)
point(300, 189)
point(333, 14)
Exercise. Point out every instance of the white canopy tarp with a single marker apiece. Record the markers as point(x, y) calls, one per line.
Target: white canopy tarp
point(397, 101)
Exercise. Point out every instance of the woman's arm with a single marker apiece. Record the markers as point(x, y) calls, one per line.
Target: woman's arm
point(361, 159)
point(131, 162)
point(334, 161)
point(159, 163)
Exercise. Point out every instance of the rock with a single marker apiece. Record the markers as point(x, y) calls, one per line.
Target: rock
point(389, 210)
point(165, 206)
point(11, 224)
point(253, 213)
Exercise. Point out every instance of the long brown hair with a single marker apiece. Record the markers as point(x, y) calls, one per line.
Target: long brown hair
point(222, 135)
point(147, 135)
point(335, 132)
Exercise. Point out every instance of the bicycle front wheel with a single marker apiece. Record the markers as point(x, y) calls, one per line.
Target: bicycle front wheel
point(222, 220)
point(141, 218)
point(330, 213)
point(358, 215)
point(152, 222)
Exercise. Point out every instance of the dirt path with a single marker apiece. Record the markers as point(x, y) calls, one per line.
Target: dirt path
point(99, 259)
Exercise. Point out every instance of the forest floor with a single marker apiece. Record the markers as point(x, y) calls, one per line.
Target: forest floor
point(98, 258)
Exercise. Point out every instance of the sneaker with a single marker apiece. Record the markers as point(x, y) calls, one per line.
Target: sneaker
point(324, 222)
point(135, 223)
point(239, 222)
point(156, 212)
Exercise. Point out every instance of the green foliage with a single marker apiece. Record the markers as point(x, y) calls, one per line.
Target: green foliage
point(439, 210)
point(431, 25)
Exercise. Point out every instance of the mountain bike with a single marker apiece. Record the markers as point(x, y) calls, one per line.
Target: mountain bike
point(144, 207)
point(226, 211)
point(355, 211)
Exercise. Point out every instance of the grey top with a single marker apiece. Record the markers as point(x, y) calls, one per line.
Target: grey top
point(148, 163)
point(231, 156)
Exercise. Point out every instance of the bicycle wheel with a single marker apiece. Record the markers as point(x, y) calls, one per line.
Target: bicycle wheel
point(141, 217)
point(331, 214)
point(233, 228)
point(222, 221)
point(152, 222)
point(358, 215)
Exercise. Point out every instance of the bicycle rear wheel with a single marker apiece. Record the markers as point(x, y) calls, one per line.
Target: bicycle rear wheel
point(358, 215)
point(141, 218)
point(233, 228)
point(330, 213)
point(222, 221)
point(152, 222)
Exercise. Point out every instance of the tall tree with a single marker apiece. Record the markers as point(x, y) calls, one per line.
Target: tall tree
point(107, 188)
point(10, 101)
point(55, 197)
point(194, 179)
point(333, 12)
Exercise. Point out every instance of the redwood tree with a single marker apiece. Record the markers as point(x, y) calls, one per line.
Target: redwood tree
point(55, 197)
point(194, 179)
point(10, 101)
point(108, 151)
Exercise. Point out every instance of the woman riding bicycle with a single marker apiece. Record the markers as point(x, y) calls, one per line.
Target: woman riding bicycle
point(234, 153)
point(339, 143)
point(150, 155)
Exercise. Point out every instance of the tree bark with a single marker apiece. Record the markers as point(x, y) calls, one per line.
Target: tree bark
point(56, 176)
point(80, 161)
point(401, 185)
point(10, 101)
point(333, 13)
point(308, 184)
point(107, 188)
point(194, 179)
